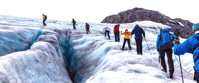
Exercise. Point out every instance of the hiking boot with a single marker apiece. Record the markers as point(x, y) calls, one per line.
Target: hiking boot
point(164, 70)
point(170, 75)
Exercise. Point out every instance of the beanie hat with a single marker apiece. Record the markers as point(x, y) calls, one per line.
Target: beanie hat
point(119, 24)
point(195, 26)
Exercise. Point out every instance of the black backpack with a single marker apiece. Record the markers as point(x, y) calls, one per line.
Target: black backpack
point(45, 17)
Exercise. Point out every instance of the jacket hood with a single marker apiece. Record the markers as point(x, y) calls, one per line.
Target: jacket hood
point(165, 30)
point(137, 26)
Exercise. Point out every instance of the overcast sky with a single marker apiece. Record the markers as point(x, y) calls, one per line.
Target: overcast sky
point(96, 10)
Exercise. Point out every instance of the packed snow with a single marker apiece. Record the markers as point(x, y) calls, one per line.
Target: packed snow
point(32, 53)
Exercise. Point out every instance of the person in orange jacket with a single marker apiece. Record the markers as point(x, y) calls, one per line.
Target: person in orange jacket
point(126, 38)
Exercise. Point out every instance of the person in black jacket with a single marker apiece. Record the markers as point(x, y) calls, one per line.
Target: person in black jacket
point(87, 28)
point(138, 37)
point(74, 23)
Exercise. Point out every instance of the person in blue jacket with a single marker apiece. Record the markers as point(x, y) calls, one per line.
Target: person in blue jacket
point(138, 37)
point(190, 46)
point(165, 39)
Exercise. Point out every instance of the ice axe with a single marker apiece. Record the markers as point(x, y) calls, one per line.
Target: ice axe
point(147, 46)
point(177, 34)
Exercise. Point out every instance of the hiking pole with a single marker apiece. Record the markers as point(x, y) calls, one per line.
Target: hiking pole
point(181, 70)
point(147, 46)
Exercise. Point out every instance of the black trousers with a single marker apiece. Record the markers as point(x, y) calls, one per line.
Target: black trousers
point(44, 20)
point(107, 33)
point(87, 30)
point(128, 40)
point(117, 37)
point(139, 45)
point(74, 26)
point(169, 57)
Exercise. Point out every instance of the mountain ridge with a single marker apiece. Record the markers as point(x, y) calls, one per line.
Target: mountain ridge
point(141, 14)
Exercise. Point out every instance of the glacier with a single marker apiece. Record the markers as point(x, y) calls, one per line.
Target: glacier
point(32, 53)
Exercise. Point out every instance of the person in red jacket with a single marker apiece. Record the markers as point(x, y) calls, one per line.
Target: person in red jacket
point(116, 33)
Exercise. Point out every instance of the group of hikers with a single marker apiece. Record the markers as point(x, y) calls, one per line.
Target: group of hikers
point(73, 22)
point(138, 31)
point(164, 43)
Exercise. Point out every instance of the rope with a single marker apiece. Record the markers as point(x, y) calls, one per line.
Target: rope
point(182, 67)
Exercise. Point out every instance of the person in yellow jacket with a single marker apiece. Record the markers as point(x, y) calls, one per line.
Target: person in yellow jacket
point(44, 19)
point(126, 38)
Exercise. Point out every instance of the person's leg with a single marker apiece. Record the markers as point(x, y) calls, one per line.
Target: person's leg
point(86, 30)
point(115, 37)
point(162, 60)
point(74, 26)
point(170, 62)
point(136, 41)
point(124, 44)
point(141, 46)
point(108, 35)
point(129, 43)
point(118, 36)
point(105, 33)
point(44, 22)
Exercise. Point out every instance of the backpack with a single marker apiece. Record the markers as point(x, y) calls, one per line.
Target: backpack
point(166, 45)
point(137, 30)
point(45, 17)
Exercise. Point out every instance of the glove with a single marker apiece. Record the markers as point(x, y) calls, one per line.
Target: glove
point(121, 31)
point(158, 50)
point(176, 41)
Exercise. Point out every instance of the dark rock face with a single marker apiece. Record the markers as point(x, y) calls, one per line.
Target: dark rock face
point(140, 14)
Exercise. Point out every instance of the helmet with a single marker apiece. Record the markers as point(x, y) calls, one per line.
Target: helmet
point(195, 26)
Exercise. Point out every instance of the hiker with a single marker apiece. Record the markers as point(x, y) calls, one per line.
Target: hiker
point(164, 44)
point(44, 19)
point(126, 38)
point(138, 37)
point(190, 46)
point(74, 23)
point(107, 30)
point(87, 28)
point(116, 33)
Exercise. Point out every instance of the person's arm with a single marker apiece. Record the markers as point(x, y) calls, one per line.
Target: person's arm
point(118, 29)
point(143, 32)
point(157, 42)
point(174, 36)
point(129, 34)
point(122, 33)
point(180, 49)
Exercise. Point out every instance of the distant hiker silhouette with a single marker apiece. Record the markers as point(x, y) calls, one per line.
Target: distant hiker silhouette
point(190, 46)
point(138, 37)
point(107, 30)
point(126, 38)
point(74, 23)
point(116, 33)
point(44, 19)
point(87, 28)
point(164, 45)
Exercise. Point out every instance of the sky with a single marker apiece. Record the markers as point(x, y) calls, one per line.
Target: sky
point(96, 10)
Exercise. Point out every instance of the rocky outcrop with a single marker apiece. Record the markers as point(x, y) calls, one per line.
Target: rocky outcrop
point(140, 14)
